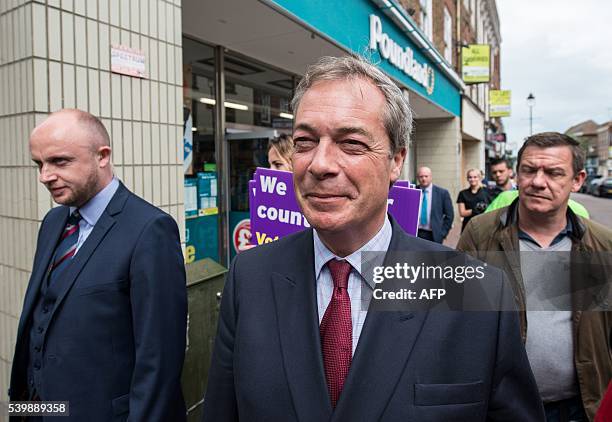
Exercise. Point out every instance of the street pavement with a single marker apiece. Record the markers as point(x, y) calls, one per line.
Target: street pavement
point(600, 210)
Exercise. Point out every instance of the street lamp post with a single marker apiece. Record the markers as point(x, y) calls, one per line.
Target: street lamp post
point(531, 104)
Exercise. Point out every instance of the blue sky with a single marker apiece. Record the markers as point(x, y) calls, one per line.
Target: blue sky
point(562, 52)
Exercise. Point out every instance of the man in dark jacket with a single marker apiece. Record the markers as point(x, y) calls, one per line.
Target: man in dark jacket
point(105, 313)
point(297, 339)
point(567, 345)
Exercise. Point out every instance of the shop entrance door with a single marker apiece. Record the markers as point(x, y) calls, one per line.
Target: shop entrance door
point(247, 151)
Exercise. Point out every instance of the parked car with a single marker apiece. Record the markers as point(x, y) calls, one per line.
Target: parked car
point(593, 187)
point(585, 186)
point(605, 188)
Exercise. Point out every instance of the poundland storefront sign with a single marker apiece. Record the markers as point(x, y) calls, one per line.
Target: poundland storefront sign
point(400, 57)
point(366, 29)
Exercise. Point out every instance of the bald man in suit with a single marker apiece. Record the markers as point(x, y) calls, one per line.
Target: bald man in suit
point(104, 316)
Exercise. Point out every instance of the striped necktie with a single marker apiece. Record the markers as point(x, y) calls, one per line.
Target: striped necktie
point(66, 248)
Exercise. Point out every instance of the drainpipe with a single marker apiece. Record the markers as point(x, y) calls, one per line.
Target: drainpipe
point(458, 43)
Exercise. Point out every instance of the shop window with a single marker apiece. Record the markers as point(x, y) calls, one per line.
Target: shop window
point(257, 101)
point(256, 105)
point(201, 190)
point(256, 96)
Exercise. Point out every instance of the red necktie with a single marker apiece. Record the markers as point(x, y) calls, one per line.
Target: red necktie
point(337, 331)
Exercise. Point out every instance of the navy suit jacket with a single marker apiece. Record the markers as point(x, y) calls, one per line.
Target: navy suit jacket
point(267, 362)
point(115, 344)
point(442, 213)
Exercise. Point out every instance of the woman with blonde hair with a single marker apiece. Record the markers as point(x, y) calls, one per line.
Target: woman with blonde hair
point(473, 200)
point(280, 150)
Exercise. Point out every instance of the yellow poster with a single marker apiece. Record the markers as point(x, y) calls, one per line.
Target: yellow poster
point(476, 63)
point(499, 103)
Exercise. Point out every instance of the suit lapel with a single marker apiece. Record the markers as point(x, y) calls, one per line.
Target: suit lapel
point(104, 224)
point(385, 344)
point(296, 310)
point(510, 246)
point(47, 247)
point(434, 197)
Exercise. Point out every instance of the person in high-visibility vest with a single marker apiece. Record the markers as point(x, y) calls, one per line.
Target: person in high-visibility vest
point(505, 198)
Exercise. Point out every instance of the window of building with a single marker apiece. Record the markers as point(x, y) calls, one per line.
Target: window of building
point(257, 96)
point(426, 18)
point(202, 238)
point(494, 72)
point(257, 101)
point(473, 12)
point(256, 105)
point(448, 36)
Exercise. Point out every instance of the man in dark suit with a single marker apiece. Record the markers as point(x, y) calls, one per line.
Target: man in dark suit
point(436, 216)
point(296, 338)
point(104, 317)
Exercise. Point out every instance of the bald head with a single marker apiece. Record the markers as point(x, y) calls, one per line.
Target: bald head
point(424, 176)
point(96, 134)
point(72, 151)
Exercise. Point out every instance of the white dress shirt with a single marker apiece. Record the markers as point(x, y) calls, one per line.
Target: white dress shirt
point(325, 283)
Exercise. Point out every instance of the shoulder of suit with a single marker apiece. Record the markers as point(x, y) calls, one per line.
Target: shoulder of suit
point(54, 213)
point(487, 223)
point(440, 188)
point(136, 203)
point(601, 233)
point(58, 210)
point(412, 243)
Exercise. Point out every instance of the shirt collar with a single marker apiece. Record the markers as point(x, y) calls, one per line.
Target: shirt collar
point(93, 209)
point(568, 230)
point(380, 242)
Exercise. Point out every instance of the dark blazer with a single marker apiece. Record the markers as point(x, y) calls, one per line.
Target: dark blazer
point(267, 363)
point(442, 213)
point(115, 344)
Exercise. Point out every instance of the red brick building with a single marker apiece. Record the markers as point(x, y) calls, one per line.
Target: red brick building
point(450, 25)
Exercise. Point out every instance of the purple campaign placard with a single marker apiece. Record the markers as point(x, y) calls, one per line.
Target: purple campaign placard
point(275, 212)
point(404, 204)
point(404, 184)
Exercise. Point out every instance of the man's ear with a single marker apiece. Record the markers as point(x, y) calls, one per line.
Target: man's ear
point(104, 156)
point(578, 180)
point(397, 162)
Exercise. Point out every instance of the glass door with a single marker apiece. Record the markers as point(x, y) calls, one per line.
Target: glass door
point(247, 151)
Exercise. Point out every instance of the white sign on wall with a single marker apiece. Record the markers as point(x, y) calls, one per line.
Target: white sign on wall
point(128, 61)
